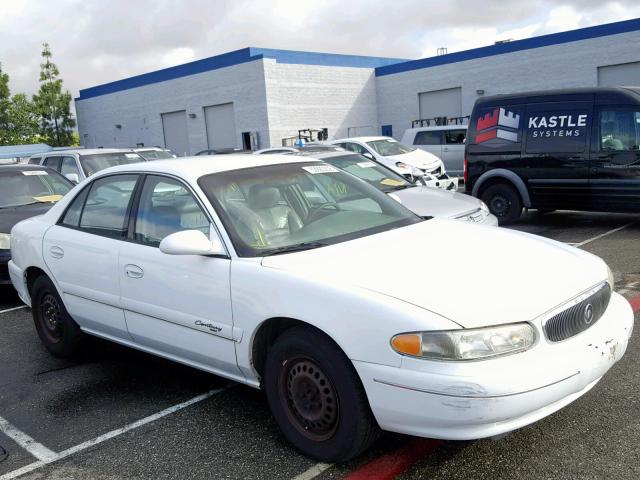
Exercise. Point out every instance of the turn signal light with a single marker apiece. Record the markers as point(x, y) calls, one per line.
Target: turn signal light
point(408, 343)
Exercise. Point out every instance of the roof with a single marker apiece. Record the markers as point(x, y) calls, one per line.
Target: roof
point(90, 151)
point(631, 93)
point(238, 57)
point(513, 46)
point(22, 166)
point(361, 139)
point(192, 168)
point(14, 151)
point(437, 128)
point(330, 154)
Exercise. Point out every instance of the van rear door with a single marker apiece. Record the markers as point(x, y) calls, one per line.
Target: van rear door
point(556, 153)
point(615, 158)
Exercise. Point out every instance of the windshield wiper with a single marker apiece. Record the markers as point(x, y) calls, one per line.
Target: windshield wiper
point(298, 247)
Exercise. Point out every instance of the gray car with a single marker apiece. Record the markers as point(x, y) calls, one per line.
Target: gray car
point(424, 201)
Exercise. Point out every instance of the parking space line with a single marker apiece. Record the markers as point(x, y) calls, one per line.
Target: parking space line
point(313, 472)
point(54, 457)
point(14, 308)
point(36, 449)
point(598, 237)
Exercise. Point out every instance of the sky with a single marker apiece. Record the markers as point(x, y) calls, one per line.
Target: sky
point(98, 41)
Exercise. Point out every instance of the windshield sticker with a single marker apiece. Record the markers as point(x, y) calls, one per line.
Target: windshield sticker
point(34, 172)
point(48, 198)
point(366, 164)
point(391, 182)
point(131, 155)
point(314, 169)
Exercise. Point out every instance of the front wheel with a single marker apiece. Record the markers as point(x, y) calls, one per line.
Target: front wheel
point(58, 332)
point(317, 398)
point(504, 202)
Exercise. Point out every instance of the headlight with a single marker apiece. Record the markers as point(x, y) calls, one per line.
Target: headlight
point(466, 344)
point(403, 165)
point(5, 241)
point(610, 279)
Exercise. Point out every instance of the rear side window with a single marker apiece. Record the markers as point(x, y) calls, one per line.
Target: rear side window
point(557, 128)
point(455, 137)
point(619, 130)
point(72, 215)
point(35, 160)
point(428, 138)
point(106, 206)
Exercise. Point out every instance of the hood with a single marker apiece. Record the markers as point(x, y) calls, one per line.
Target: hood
point(436, 202)
point(418, 158)
point(471, 274)
point(11, 215)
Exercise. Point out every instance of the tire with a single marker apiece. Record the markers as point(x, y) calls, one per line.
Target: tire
point(58, 332)
point(317, 398)
point(504, 202)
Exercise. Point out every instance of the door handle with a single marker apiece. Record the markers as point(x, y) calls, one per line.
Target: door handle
point(133, 271)
point(445, 149)
point(56, 252)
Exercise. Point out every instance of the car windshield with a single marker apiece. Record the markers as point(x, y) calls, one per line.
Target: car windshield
point(389, 147)
point(377, 175)
point(155, 154)
point(26, 187)
point(93, 163)
point(283, 208)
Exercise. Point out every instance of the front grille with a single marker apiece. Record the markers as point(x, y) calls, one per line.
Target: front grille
point(579, 317)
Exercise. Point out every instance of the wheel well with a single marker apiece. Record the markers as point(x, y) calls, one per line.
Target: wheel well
point(490, 182)
point(31, 275)
point(267, 334)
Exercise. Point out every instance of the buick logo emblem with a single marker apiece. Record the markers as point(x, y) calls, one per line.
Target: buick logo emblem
point(587, 315)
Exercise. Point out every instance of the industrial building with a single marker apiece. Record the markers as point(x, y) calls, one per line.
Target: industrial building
point(256, 98)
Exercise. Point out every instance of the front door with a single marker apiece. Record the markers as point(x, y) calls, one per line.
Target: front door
point(555, 156)
point(179, 305)
point(453, 151)
point(615, 159)
point(82, 253)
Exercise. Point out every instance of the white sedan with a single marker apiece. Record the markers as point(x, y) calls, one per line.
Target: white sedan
point(410, 162)
point(226, 267)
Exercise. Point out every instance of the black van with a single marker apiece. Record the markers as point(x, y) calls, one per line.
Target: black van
point(559, 149)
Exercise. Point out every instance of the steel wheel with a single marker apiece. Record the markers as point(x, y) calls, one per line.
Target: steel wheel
point(499, 205)
point(309, 399)
point(51, 318)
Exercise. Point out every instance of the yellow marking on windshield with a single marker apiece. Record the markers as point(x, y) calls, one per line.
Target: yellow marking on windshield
point(391, 182)
point(48, 198)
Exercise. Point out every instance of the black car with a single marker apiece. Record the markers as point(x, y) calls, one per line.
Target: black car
point(25, 191)
point(572, 149)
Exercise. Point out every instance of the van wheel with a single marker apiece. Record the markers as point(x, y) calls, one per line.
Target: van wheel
point(504, 202)
point(58, 332)
point(317, 398)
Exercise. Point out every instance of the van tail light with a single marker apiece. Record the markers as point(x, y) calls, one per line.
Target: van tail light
point(465, 172)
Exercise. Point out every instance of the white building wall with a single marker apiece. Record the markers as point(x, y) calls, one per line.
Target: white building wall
point(313, 96)
point(138, 110)
point(566, 65)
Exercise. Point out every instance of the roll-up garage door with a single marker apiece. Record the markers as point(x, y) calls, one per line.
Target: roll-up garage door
point(221, 126)
point(176, 137)
point(441, 103)
point(627, 74)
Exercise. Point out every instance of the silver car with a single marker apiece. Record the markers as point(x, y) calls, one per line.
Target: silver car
point(422, 200)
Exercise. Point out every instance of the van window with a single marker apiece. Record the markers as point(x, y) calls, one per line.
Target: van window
point(455, 137)
point(619, 130)
point(428, 137)
point(557, 129)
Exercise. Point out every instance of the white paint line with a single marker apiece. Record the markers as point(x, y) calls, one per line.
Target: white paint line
point(107, 436)
point(598, 237)
point(25, 441)
point(313, 472)
point(14, 308)
point(627, 288)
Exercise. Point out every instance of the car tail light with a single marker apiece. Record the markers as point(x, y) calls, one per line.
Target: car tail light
point(465, 172)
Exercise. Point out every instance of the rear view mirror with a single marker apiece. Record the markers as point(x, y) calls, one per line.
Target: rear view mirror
point(191, 242)
point(72, 177)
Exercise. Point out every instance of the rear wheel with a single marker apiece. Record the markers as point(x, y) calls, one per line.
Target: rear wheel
point(58, 332)
point(317, 398)
point(504, 202)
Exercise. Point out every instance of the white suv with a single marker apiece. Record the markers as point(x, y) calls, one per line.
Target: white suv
point(446, 141)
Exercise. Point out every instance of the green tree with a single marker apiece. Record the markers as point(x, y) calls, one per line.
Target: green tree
point(23, 121)
point(5, 102)
point(52, 104)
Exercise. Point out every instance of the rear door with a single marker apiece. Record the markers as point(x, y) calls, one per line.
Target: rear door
point(615, 158)
point(453, 150)
point(556, 154)
point(430, 141)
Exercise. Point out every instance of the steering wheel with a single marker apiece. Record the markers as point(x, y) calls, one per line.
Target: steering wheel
point(314, 212)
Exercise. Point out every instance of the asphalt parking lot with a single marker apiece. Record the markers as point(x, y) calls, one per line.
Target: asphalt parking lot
point(116, 413)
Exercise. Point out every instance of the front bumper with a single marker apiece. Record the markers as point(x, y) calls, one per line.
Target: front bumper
point(5, 256)
point(470, 400)
point(18, 280)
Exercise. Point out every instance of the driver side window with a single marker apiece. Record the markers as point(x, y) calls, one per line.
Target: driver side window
point(619, 130)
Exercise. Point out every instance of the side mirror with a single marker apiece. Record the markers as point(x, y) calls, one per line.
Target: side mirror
point(191, 242)
point(72, 177)
point(368, 155)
